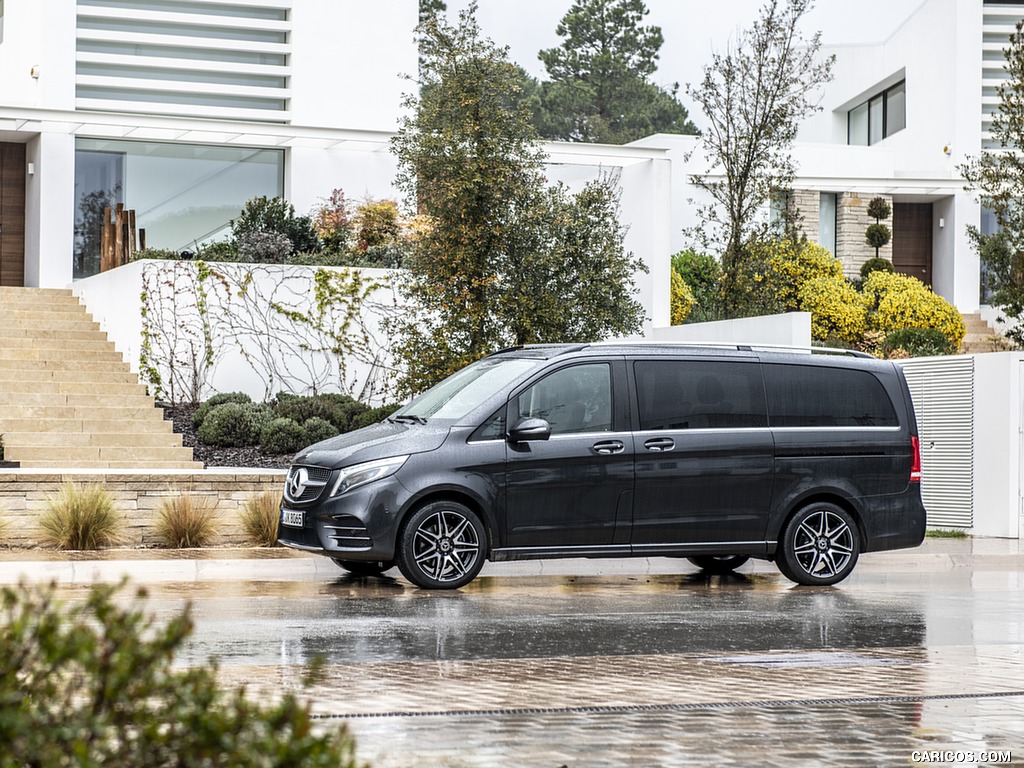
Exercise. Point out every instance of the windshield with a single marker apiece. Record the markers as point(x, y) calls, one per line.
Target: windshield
point(465, 390)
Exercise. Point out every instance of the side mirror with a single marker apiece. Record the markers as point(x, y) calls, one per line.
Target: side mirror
point(529, 429)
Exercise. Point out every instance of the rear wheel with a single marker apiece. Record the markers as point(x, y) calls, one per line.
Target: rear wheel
point(819, 545)
point(718, 563)
point(442, 546)
point(364, 567)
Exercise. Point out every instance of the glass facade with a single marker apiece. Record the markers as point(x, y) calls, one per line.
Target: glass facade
point(827, 221)
point(182, 194)
point(879, 117)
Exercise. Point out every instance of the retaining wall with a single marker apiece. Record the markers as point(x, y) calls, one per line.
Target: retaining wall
point(24, 495)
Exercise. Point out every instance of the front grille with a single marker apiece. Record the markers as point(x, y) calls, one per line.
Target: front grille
point(301, 488)
point(348, 531)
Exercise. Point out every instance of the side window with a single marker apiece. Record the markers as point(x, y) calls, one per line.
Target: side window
point(820, 396)
point(576, 399)
point(492, 429)
point(699, 394)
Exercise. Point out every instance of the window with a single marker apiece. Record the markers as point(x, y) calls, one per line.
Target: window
point(182, 194)
point(818, 396)
point(697, 394)
point(571, 400)
point(1, 21)
point(879, 117)
point(827, 221)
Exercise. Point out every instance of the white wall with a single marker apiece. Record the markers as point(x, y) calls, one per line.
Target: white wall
point(792, 329)
point(49, 210)
point(997, 444)
point(40, 34)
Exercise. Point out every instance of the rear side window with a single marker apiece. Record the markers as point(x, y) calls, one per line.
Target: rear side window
point(698, 394)
point(815, 396)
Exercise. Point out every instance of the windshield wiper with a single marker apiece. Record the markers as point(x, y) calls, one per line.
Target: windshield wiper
point(408, 418)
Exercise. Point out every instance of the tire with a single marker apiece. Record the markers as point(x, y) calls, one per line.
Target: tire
point(442, 546)
point(364, 567)
point(718, 564)
point(819, 545)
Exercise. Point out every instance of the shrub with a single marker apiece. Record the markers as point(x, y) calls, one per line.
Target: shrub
point(262, 247)
point(373, 416)
point(917, 342)
point(263, 214)
point(701, 274)
point(220, 250)
point(900, 301)
point(260, 517)
point(281, 436)
point(681, 300)
point(339, 410)
point(318, 429)
point(165, 254)
point(233, 425)
point(187, 521)
point(213, 402)
point(791, 264)
point(81, 518)
point(376, 224)
point(837, 310)
point(875, 265)
point(120, 697)
point(877, 236)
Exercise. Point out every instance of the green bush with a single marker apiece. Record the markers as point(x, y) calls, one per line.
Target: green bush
point(282, 436)
point(701, 273)
point(875, 265)
point(373, 416)
point(838, 312)
point(917, 342)
point(318, 429)
point(276, 215)
point(96, 682)
point(900, 301)
point(81, 518)
point(680, 298)
point(165, 254)
point(339, 410)
point(233, 425)
point(791, 264)
point(221, 250)
point(213, 402)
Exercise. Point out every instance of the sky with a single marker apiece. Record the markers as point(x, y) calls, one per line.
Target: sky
point(692, 30)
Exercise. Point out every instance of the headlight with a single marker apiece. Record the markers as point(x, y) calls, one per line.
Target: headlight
point(367, 472)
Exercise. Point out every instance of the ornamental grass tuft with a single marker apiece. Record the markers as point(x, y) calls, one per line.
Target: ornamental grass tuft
point(81, 518)
point(187, 521)
point(259, 517)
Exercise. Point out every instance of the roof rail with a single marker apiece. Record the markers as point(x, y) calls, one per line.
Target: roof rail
point(740, 346)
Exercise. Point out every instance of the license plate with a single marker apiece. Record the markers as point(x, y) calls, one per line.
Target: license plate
point(291, 517)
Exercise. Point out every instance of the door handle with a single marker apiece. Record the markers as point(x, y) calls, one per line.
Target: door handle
point(660, 444)
point(608, 447)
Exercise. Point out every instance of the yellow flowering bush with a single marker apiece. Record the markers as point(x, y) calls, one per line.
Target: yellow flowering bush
point(791, 265)
point(900, 301)
point(681, 299)
point(837, 310)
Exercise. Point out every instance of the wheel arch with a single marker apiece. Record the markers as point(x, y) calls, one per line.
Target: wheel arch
point(827, 497)
point(456, 495)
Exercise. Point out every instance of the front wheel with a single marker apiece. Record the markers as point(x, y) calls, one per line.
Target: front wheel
point(718, 564)
point(364, 567)
point(819, 545)
point(442, 546)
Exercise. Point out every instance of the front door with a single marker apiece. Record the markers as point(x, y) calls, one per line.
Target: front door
point(12, 214)
point(572, 490)
point(912, 240)
point(704, 455)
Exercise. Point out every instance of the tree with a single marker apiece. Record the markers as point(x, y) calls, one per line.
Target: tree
point(997, 176)
point(753, 96)
point(506, 259)
point(878, 234)
point(600, 88)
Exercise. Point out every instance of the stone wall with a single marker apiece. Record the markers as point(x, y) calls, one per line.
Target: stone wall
point(24, 495)
point(806, 205)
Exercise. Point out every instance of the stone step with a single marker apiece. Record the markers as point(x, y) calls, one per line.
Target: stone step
point(142, 410)
point(105, 364)
point(98, 455)
point(58, 387)
point(117, 424)
point(15, 441)
point(24, 400)
point(11, 332)
point(12, 325)
point(48, 376)
point(54, 346)
point(30, 313)
point(13, 291)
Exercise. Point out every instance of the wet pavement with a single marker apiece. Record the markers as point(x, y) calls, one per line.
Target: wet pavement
point(917, 658)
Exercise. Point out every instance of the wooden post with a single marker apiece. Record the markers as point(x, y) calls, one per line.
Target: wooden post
point(106, 242)
point(118, 236)
point(131, 235)
point(142, 239)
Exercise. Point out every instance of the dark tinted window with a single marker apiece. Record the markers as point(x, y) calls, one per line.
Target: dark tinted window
point(809, 396)
point(696, 394)
point(576, 399)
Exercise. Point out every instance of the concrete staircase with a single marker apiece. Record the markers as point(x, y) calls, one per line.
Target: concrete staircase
point(981, 337)
point(67, 398)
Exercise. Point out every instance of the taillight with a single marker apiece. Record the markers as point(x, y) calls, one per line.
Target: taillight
point(915, 461)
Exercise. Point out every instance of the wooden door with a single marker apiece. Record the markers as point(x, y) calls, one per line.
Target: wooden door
point(912, 240)
point(12, 214)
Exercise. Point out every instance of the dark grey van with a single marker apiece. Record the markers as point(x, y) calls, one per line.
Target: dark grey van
point(715, 454)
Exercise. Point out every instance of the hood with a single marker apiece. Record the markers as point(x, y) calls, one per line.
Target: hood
point(377, 441)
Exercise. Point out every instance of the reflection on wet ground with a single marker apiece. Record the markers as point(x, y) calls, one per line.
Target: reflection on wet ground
point(658, 670)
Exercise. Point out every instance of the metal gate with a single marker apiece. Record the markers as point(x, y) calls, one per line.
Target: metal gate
point(943, 392)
